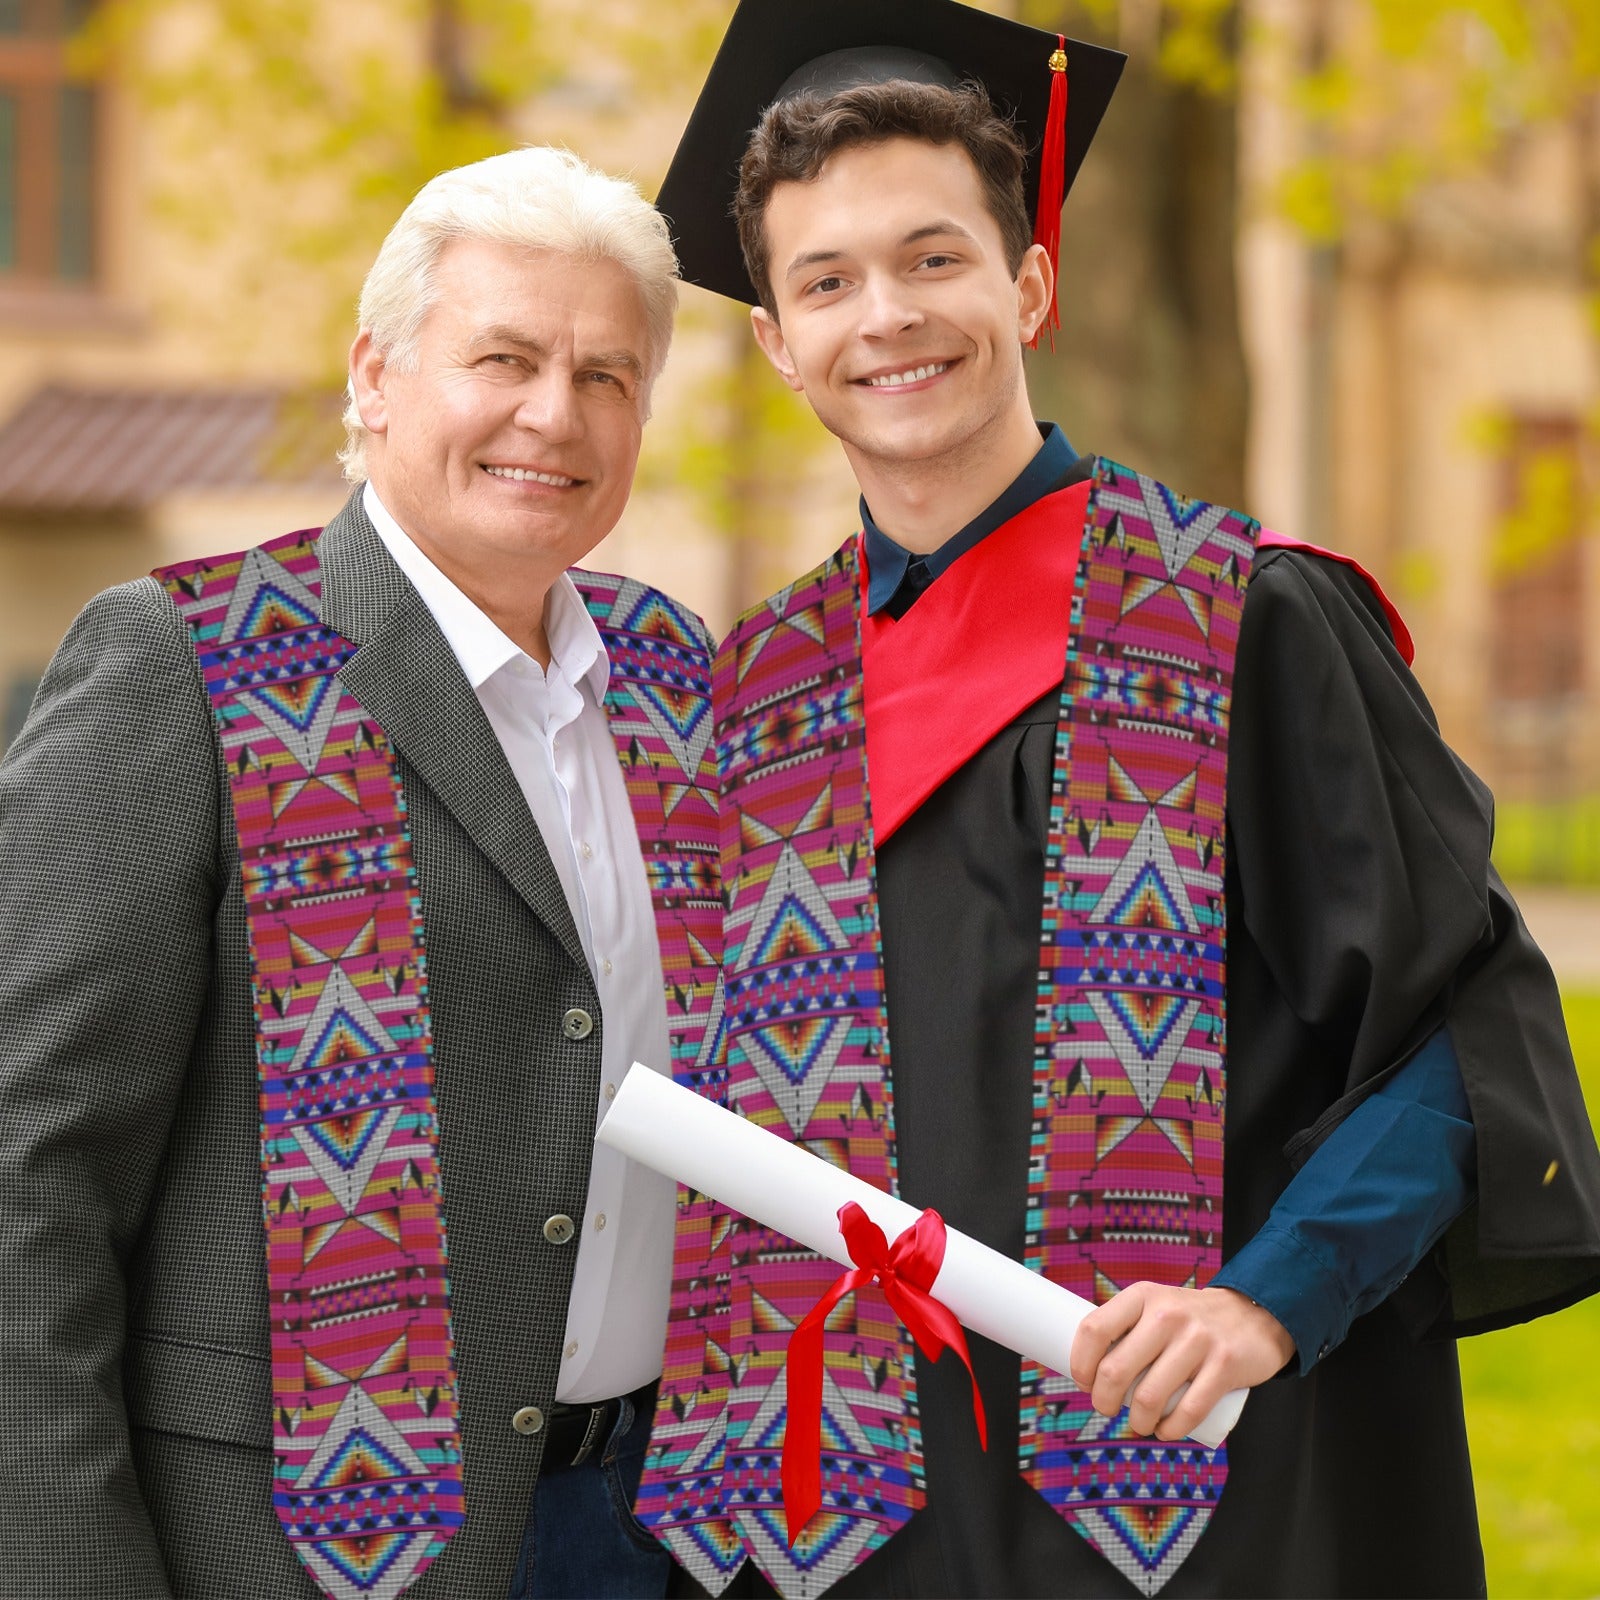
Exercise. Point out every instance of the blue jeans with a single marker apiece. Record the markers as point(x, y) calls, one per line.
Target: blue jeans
point(582, 1541)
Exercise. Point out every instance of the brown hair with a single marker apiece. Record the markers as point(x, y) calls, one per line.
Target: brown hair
point(795, 138)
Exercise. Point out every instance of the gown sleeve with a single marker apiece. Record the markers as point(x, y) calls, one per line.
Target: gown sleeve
point(1368, 1205)
point(1360, 855)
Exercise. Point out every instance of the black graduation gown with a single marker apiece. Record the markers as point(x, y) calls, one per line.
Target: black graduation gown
point(1362, 911)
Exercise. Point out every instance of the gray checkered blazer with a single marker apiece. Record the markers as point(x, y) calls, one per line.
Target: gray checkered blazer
point(135, 1454)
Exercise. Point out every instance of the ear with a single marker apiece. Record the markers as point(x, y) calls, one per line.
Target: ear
point(774, 347)
point(1036, 282)
point(367, 373)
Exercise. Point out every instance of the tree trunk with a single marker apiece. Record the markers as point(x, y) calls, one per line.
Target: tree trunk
point(1148, 367)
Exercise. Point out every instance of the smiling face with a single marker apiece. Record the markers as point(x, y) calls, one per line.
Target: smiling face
point(509, 448)
point(898, 316)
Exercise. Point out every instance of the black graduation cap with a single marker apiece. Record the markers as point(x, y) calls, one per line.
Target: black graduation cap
point(777, 48)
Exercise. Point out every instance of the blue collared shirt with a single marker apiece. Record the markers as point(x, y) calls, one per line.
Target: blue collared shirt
point(894, 571)
point(1379, 1192)
point(1367, 1206)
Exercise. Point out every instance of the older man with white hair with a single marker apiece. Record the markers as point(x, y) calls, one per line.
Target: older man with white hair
point(340, 879)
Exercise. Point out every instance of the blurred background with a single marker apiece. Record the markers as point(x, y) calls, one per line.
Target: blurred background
point(1336, 262)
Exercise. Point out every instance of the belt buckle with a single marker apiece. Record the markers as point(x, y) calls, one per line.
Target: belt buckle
point(591, 1434)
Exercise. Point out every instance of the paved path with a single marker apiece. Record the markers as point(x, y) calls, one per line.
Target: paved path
point(1566, 922)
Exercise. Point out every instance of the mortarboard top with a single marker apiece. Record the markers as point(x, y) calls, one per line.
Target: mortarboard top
point(777, 48)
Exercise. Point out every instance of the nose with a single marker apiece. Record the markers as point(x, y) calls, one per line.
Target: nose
point(888, 307)
point(549, 405)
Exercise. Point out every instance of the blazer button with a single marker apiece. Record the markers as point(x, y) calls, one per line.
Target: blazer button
point(559, 1229)
point(530, 1419)
point(577, 1023)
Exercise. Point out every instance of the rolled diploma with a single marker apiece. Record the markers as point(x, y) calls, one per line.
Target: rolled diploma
point(676, 1132)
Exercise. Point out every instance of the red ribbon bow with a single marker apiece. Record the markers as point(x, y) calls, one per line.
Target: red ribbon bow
point(907, 1270)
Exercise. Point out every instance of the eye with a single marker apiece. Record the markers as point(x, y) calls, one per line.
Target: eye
point(502, 358)
point(827, 285)
point(938, 261)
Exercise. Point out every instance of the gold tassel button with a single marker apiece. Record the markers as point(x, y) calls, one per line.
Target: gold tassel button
point(1058, 62)
point(1550, 1173)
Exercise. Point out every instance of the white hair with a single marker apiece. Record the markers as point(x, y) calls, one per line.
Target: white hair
point(536, 197)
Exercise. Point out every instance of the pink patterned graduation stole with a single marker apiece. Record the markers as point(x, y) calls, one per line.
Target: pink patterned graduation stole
point(804, 1047)
point(658, 704)
point(367, 1476)
point(659, 701)
point(366, 1447)
point(1125, 1171)
point(1125, 1174)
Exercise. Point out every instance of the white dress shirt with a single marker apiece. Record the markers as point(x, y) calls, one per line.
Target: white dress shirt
point(552, 726)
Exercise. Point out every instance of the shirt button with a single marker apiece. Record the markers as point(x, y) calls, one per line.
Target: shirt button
point(600, 1223)
point(571, 1350)
point(559, 1229)
point(577, 1023)
point(588, 850)
point(607, 968)
point(530, 1419)
point(611, 1091)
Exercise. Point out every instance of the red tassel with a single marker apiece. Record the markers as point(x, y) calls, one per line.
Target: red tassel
point(1052, 183)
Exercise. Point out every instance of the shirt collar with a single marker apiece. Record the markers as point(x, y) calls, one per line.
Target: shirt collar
point(887, 561)
point(575, 642)
point(476, 639)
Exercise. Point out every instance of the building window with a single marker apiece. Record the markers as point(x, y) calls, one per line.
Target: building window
point(1540, 584)
point(48, 136)
point(1538, 567)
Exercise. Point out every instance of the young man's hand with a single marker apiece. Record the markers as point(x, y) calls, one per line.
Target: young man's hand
point(1212, 1339)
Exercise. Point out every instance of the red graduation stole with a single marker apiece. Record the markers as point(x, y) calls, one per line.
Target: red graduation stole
point(986, 640)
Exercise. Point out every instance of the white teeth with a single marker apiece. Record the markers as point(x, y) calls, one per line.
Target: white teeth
point(518, 475)
point(913, 375)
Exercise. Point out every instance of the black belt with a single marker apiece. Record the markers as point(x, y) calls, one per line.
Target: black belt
point(574, 1433)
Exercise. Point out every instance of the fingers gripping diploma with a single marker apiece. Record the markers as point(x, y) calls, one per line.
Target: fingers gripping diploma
point(1153, 1339)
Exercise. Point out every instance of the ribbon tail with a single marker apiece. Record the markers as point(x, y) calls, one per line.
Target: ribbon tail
point(935, 1328)
point(959, 1345)
point(802, 1434)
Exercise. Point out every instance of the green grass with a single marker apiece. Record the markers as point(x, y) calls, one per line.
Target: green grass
point(1533, 1415)
point(1548, 841)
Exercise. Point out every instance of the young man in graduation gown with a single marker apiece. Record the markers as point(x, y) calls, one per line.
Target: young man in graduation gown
point(1096, 876)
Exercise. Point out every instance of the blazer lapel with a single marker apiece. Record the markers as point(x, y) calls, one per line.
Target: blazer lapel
point(406, 675)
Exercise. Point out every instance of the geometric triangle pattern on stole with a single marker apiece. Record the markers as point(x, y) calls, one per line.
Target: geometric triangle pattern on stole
point(366, 1438)
point(801, 1047)
point(1125, 1178)
point(835, 1538)
point(658, 705)
point(794, 1052)
point(678, 713)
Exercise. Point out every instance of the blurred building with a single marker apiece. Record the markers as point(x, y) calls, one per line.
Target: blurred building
point(1421, 394)
point(121, 447)
point(1425, 396)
